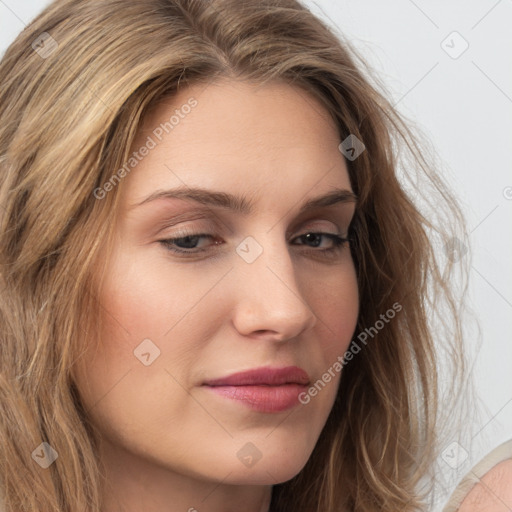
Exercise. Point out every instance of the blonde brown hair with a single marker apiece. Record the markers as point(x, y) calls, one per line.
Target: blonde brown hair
point(69, 118)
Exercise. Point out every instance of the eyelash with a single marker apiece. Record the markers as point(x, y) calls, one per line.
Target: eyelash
point(338, 243)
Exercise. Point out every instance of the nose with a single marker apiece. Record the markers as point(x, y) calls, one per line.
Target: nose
point(270, 300)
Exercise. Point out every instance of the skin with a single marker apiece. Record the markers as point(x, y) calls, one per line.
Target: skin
point(493, 493)
point(168, 443)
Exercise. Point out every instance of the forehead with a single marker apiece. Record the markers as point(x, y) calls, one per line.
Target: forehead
point(238, 136)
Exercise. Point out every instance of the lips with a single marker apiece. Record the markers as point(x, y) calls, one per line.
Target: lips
point(267, 390)
point(265, 376)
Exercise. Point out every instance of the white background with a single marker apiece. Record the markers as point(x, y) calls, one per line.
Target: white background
point(464, 105)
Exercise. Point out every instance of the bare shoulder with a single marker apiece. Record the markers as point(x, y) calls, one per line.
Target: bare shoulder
point(493, 493)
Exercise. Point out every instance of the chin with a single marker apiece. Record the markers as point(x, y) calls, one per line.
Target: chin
point(264, 474)
point(274, 467)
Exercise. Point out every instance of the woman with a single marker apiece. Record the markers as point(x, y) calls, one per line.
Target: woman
point(144, 369)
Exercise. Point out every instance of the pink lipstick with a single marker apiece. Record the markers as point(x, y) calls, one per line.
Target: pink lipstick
point(263, 389)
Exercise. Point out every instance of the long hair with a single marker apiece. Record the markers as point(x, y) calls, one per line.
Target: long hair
point(74, 88)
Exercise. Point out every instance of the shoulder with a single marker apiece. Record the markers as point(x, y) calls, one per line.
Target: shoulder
point(488, 486)
point(493, 493)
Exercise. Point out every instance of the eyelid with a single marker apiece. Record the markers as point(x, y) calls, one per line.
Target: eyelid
point(312, 223)
point(214, 221)
point(181, 218)
point(194, 230)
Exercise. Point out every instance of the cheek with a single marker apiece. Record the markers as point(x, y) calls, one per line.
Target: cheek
point(148, 295)
point(335, 301)
point(337, 309)
point(141, 300)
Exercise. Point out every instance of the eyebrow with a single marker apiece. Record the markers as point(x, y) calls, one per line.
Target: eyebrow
point(241, 204)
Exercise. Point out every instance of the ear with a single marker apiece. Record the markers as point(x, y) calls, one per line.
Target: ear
point(493, 492)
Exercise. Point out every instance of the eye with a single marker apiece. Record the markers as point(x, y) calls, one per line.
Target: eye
point(187, 243)
point(334, 250)
point(337, 241)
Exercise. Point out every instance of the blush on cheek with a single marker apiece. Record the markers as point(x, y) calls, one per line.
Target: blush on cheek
point(340, 312)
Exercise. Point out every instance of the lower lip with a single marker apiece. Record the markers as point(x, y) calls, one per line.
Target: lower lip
point(263, 398)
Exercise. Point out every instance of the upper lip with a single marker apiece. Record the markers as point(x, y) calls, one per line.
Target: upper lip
point(263, 376)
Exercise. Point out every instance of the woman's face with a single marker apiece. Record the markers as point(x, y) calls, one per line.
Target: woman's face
point(248, 290)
